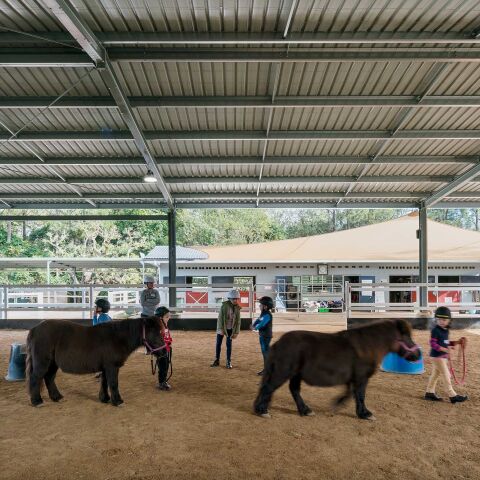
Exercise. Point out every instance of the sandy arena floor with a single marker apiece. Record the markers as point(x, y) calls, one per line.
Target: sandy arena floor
point(204, 427)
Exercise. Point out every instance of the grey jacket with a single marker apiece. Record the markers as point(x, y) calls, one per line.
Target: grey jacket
point(149, 299)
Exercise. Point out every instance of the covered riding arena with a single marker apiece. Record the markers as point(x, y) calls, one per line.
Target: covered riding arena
point(155, 106)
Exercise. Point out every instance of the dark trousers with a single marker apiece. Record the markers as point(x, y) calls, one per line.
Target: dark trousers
point(265, 346)
point(163, 363)
point(218, 347)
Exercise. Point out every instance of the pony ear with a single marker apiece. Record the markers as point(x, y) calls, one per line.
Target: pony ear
point(403, 327)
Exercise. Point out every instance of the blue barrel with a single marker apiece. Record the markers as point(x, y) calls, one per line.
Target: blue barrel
point(393, 363)
point(16, 365)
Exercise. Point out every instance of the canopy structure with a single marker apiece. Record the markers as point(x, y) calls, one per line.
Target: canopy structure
point(239, 104)
point(391, 241)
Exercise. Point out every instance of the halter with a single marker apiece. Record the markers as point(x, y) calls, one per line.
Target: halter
point(408, 349)
point(149, 349)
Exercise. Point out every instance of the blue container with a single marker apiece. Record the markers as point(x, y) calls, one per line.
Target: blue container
point(16, 365)
point(393, 363)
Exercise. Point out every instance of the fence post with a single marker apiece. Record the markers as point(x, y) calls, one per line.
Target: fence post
point(346, 298)
point(5, 301)
point(90, 287)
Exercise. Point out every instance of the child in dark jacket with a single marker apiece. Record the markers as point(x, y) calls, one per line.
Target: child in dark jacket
point(263, 325)
point(440, 345)
point(163, 362)
point(100, 314)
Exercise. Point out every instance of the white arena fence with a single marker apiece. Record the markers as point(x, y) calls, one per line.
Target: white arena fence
point(74, 301)
point(462, 298)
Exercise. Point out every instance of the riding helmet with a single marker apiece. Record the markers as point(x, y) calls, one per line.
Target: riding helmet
point(161, 311)
point(103, 304)
point(233, 294)
point(443, 312)
point(267, 301)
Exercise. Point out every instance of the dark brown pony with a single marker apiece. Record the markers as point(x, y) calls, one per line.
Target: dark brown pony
point(348, 358)
point(80, 349)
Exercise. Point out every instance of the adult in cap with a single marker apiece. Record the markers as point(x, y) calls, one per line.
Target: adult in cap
point(228, 325)
point(150, 297)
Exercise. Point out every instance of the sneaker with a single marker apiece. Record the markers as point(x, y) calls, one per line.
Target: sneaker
point(215, 363)
point(229, 364)
point(433, 397)
point(458, 398)
point(164, 386)
point(260, 373)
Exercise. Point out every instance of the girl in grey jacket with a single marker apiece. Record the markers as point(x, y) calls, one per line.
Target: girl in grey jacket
point(149, 298)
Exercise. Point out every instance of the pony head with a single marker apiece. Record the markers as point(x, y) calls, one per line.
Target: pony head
point(404, 346)
point(152, 336)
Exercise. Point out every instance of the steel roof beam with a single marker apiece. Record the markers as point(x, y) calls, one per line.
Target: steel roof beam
point(49, 58)
point(313, 179)
point(33, 180)
point(278, 196)
point(252, 204)
point(321, 160)
point(200, 38)
point(455, 184)
point(332, 101)
point(329, 205)
point(219, 135)
point(80, 31)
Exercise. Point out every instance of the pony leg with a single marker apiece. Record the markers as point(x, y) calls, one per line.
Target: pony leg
point(34, 384)
point(112, 380)
point(340, 401)
point(103, 395)
point(49, 379)
point(295, 384)
point(359, 393)
point(269, 385)
point(36, 369)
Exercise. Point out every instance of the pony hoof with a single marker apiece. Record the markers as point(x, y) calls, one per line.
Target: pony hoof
point(370, 418)
point(38, 405)
point(58, 398)
point(310, 414)
point(264, 415)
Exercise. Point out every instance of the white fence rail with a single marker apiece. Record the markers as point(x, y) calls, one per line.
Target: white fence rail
point(387, 297)
point(37, 301)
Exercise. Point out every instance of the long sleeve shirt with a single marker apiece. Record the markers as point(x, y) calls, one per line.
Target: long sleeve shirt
point(264, 324)
point(438, 340)
point(149, 299)
point(101, 318)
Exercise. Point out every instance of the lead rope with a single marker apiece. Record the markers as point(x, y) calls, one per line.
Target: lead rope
point(153, 365)
point(460, 357)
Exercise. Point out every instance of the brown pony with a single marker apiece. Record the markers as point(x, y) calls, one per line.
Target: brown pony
point(348, 358)
point(81, 349)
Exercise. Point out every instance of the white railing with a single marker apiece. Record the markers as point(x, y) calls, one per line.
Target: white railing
point(42, 301)
point(309, 297)
point(377, 297)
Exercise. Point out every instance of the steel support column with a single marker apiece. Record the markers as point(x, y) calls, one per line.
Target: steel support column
point(172, 258)
point(423, 253)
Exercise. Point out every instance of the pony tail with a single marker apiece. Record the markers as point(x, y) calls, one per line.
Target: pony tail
point(269, 370)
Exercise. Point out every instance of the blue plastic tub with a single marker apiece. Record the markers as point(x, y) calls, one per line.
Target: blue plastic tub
point(393, 363)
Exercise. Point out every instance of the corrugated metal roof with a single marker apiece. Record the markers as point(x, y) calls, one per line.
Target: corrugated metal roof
point(160, 252)
point(220, 94)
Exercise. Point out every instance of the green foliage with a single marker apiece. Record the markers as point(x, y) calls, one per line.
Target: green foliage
point(194, 228)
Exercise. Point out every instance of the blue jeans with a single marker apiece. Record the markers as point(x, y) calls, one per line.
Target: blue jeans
point(218, 347)
point(265, 346)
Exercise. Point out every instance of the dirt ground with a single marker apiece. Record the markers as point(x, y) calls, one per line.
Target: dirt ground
point(204, 428)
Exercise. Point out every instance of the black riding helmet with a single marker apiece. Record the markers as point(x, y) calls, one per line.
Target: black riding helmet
point(267, 301)
point(443, 312)
point(161, 311)
point(103, 304)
